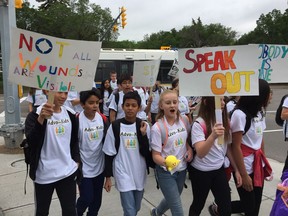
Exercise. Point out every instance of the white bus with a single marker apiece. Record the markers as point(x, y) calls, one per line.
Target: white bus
point(122, 61)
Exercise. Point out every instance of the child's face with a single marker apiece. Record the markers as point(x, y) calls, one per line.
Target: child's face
point(169, 104)
point(60, 98)
point(130, 108)
point(126, 86)
point(91, 106)
point(107, 84)
point(113, 77)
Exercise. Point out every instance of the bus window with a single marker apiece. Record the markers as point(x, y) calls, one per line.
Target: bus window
point(103, 70)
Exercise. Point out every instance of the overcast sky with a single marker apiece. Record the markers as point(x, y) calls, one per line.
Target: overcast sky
point(152, 16)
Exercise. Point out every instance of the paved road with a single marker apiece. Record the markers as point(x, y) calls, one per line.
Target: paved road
point(275, 146)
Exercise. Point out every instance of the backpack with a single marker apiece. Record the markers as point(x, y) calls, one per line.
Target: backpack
point(278, 119)
point(143, 141)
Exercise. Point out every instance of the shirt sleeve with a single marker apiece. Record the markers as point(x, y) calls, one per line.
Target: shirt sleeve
point(285, 103)
point(113, 104)
point(109, 143)
point(197, 133)
point(238, 121)
point(156, 142)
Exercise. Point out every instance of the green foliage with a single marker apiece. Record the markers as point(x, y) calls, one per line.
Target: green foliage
point(77, 20)
point(195, 35)
point(271, 29)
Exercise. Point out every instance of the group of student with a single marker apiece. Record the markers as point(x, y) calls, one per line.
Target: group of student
point(110, 137)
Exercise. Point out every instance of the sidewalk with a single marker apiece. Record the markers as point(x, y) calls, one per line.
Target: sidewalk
point(13, 202)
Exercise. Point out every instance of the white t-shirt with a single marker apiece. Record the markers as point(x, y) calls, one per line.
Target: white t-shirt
point(105, 100)
point(176, 142)
point(230, 106)
point(155, 102)
point(183, 105)
point(90, 135)
point(55, 161)
point(216, 156)
point(72, 95)
point(253, 137)
point(119, 110)
point(285, 126)
point(40, 98)
point(129, 166)
point(113, 84)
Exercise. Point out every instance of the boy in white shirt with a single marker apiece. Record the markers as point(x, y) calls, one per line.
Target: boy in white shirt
point(92, 130)
point(125, 154)
point(53, 142)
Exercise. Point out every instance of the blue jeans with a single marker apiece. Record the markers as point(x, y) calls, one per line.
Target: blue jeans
point(90, 195)
point(131, 202)
point(171, 187)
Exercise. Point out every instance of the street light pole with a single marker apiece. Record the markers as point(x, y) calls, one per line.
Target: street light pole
point(110, 26)
point(13, 129)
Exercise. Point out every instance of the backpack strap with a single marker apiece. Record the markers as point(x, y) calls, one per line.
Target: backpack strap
point(185, 121)
point(106, 125)
point(203, 126)
point(25, 146)
point(117, 100)
point(164, 133)
point(116, 131)
point(144, 146)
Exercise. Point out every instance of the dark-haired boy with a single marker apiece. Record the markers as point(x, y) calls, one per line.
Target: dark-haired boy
point(92, 130)
point(115, 107)
point(52, 136)
point(126, 161)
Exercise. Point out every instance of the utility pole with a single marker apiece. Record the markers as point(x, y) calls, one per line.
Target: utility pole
point(123, 20)
point(13, 129)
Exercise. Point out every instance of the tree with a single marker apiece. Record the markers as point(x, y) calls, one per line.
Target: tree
point(78, 20)
point(271, 29)
point(199, 35)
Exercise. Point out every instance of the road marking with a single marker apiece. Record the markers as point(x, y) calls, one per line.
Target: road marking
point(271, 131)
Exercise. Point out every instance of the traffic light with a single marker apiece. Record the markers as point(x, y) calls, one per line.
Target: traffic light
point(18, 3)
point(115, 28)
point(123, 17)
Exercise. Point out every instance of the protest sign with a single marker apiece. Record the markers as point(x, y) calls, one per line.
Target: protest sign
point(216, 71)
point(145, 73)
point(273, 63)
point(51, 63)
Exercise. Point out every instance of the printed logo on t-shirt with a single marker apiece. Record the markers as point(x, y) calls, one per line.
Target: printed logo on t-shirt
point(56, 122)
point(129, 139)
point(60, 130)
point(93, 132)
point(130, 143)
point(178, 143)
point(176, 131)
point(94, 135)
point(258, 130)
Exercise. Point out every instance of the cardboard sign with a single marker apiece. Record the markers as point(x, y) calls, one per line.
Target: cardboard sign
point(273, 63)
point(218, 71)
point(145, 73)
point(50, 63)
